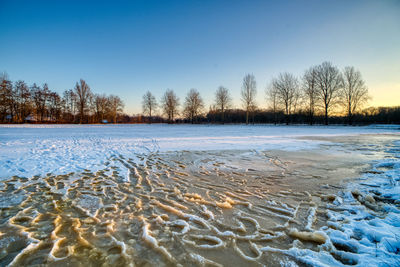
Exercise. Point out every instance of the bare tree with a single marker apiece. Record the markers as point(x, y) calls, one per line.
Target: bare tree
point(116, 106)
point(222, 100)
point(329, 84)
point(82, 91)
point(149, 104)
point(91, 109)
point(17, 101)
point(45, 98)
point(354, 92)
point(40, 98)
point(69, 101)
point(6, 98)
point(170, 104)
point(297, 99)
point(286, 87)
point(23, 96)
point(101, 106)
point(193, 105)
point(249, 92)
point(54, 106)
point(272, 97)
point(310, 91)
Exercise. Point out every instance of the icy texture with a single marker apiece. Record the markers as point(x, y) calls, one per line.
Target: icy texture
point(236, 208)
point(28, 150)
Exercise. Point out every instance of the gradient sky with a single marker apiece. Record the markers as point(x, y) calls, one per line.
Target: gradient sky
point(129, 47)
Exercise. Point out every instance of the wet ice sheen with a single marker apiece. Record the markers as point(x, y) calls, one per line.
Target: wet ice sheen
point(215, 208)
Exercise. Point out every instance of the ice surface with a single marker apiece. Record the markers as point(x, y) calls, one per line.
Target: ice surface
point(362, 218)
point(27, 150)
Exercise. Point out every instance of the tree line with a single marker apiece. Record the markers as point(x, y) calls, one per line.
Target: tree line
point(323, 94)
point(322, 90)
point(21, 103)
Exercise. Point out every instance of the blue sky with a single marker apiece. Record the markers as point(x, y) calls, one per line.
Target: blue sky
point(129, 47)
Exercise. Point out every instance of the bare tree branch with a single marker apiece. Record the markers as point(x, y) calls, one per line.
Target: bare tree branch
point(354, 92)
point(149, 104)
point(170, 104)
point(222, 100)
point(310, 91)
point(248, 93)
point(329, 84)
point(193, 105)
point(82, 91)
point(286, 88)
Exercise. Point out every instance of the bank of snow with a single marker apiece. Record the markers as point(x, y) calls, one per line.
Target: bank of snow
point(363, 227)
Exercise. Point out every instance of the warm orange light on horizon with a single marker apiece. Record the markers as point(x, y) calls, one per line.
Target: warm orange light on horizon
point(387, 95)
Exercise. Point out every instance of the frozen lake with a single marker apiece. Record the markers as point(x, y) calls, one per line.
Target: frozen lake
point(28, 150)
point(230, 195)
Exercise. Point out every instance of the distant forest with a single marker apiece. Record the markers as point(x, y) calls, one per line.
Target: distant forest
point(323, 95)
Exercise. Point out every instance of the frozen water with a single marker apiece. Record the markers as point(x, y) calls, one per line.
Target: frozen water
point(200, 195)
point(28, 150)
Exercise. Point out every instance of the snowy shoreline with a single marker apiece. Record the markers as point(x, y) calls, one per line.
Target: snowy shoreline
point(363, 227)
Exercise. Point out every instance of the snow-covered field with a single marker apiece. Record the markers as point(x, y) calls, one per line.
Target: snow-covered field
point(28, 150)
point(199, 195)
